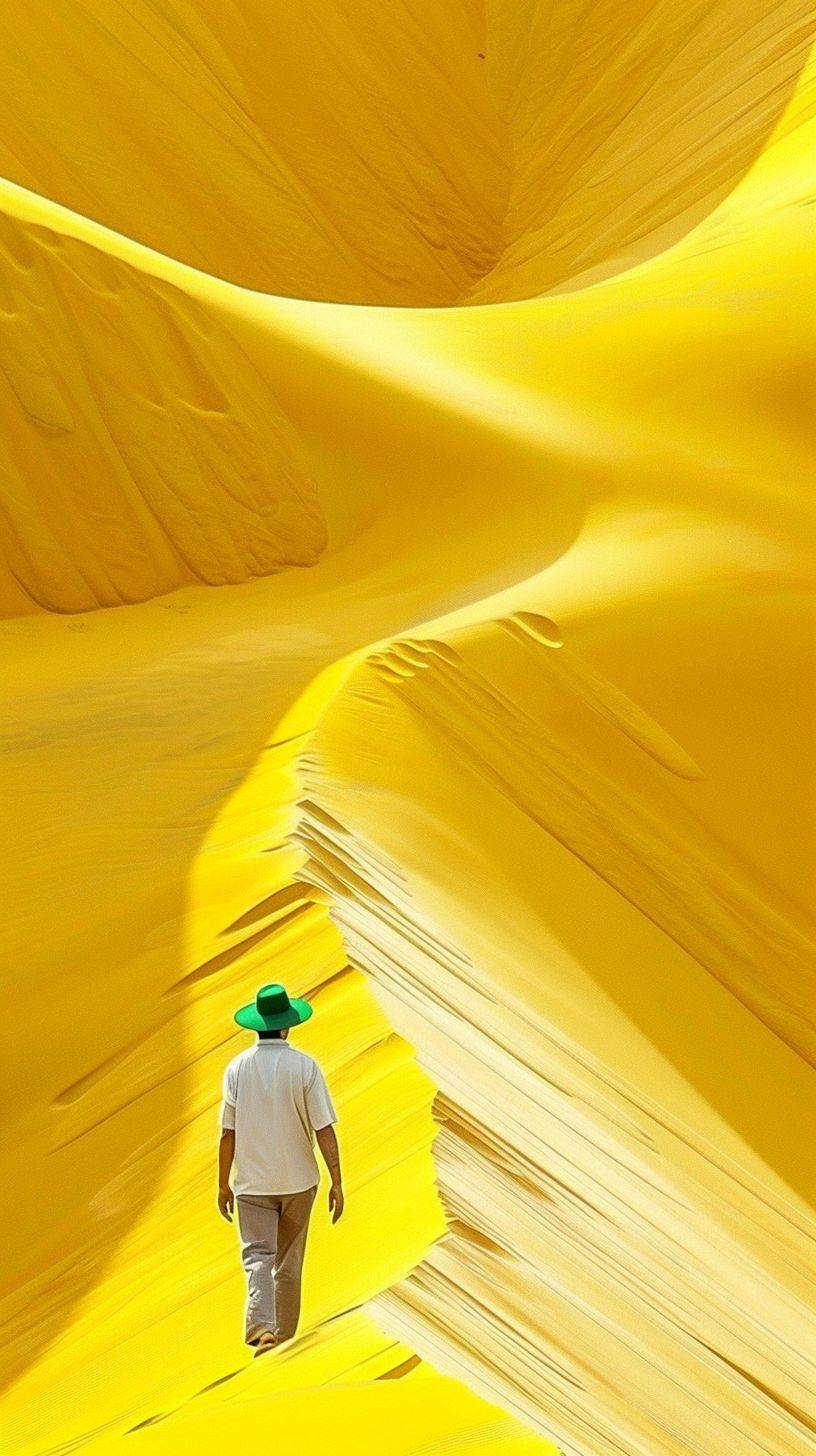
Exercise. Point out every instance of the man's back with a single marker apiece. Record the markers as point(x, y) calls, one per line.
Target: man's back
point(275, 1097)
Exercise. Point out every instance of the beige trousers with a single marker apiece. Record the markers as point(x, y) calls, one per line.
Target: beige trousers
point(273, 1229)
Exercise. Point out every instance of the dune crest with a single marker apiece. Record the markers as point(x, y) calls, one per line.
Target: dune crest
point(411, 156)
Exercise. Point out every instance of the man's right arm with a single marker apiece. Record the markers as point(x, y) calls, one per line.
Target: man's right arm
point(327, 1142)
point(226, 1145)
point(322, 1115)
point(226, 1153)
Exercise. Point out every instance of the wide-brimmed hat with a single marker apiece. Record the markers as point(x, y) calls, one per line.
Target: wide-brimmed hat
point(273, 1009)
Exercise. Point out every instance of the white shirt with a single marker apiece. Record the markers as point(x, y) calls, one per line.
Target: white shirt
point(275, 1097)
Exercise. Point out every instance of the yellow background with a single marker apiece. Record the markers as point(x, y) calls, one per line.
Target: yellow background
point(407, 566)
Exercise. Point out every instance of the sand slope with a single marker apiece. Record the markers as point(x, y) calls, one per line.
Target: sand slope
point(453, 665)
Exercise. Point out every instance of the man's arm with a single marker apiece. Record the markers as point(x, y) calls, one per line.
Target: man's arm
point(226, 1153)
point(327, 1142)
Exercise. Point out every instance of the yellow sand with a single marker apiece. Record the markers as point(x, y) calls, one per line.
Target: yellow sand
point(453, 665)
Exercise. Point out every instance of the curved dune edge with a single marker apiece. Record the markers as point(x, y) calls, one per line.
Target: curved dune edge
point(419, 156)
point(157, 869)
point(619, 1200)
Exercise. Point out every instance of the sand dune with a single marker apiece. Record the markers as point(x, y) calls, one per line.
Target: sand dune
point(411, 155)
point(452, 664)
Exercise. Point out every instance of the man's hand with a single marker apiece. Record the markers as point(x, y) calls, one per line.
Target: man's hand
point(226, 1203)
point(336, 1201)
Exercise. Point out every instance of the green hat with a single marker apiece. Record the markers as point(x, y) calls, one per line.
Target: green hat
point(273, 1009)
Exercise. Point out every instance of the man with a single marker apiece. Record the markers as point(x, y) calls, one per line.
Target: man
point(275, 1100)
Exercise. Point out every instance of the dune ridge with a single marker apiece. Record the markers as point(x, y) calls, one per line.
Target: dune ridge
point(553, 145)
point(596, 1223)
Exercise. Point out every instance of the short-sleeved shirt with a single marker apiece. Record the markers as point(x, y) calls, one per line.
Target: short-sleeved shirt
point(275, 1098)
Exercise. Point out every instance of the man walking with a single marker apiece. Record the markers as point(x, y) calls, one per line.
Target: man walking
point(275, 1100)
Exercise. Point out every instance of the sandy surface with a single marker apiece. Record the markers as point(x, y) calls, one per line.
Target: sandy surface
point(406, 565)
